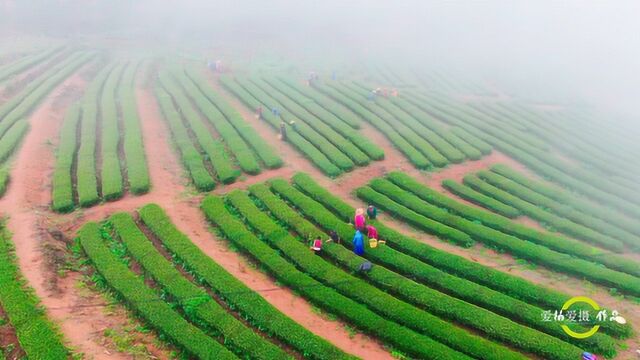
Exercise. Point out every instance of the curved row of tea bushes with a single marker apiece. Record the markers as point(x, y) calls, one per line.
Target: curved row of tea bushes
point(229, 136)
point(86, 178)
point(394, 106)
point(37, 336)
point(494, 326)
point(62, 192)
point(333, 106)
point(552, 241)
point(416, 137)
point(317, 157)
point(385, 193)
point(335, 137)
point(364, 145)
point(453, 264)
point(191, 158)
point(254, 308)
point(320, 140)
point(427, 120)
point(262, 149)
point(214, 149)
point(377, 300)
point(12, 104)
point(111, 172)
point(132, 137)
point(27, 62)
point(564, 197)
point(414, 155)
point(562, 210)
point(540, 161)
point(322, 296)
point(198, 307)
point(549, 219)
point(480, 199)
point(144, 301)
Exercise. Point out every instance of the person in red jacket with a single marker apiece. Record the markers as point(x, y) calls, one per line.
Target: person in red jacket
point(372, 232)
point(359, 220)
point(316, 245)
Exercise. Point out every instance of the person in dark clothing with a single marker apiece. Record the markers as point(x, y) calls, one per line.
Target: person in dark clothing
point(259, 112)
point(283, 132)
point(372, 212)
point(334, 236)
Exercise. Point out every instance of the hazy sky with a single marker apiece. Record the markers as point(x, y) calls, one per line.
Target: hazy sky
point(589, 48)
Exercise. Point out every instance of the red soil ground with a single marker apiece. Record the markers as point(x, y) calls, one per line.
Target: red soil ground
point(28, 203)
point(168, 190)
point(394, 160)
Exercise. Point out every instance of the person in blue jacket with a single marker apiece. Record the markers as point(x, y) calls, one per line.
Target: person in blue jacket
point(358, 243)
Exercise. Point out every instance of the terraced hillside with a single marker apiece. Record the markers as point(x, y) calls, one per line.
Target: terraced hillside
point(101, 151)
point(13, 113)
point(216, 145)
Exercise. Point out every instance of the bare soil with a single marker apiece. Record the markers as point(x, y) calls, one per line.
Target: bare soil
point(169, 190)
point(80, 313)
point(8, 339)
point(27, 203)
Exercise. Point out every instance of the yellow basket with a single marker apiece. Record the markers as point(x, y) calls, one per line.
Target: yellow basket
point(373, 243)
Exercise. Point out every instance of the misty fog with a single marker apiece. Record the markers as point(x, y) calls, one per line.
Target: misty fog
point(585, 52)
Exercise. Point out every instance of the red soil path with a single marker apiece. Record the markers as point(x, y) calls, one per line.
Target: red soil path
point(28, 203)
point(394, 160)
point(169, 190)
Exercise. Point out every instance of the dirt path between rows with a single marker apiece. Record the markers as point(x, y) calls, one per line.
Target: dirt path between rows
point(345, 185)
point(27, 204)
point(170, 191)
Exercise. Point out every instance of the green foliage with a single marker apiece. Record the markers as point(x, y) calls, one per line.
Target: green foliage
point(249, 303)
point(191, 158)
point(62, 182)
point(27, 62)
point(388, 195)
point(560, 209)
point(334, 107)
point(236, 144)
point(214, 148)
point(196, 303)
point(110, 174)
point(322, 296)
point(552, 241)
point(440, 152)
point(480, 199)
point(319, 139)
point(145, 302)
point(132, 144)
point(419, 220)
point(496, 327)
point(461, 148)
point(4, 179)
point(553, 221)
point(543, 162)
point(476, 142)
point(565, 197)
point(319, 159)
point(37, 336)
point(263, 150)
point(87, 183)
point(513, 286)
point(12, 138)
point(397, 139)
point(356, 146)
point(13, 113)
